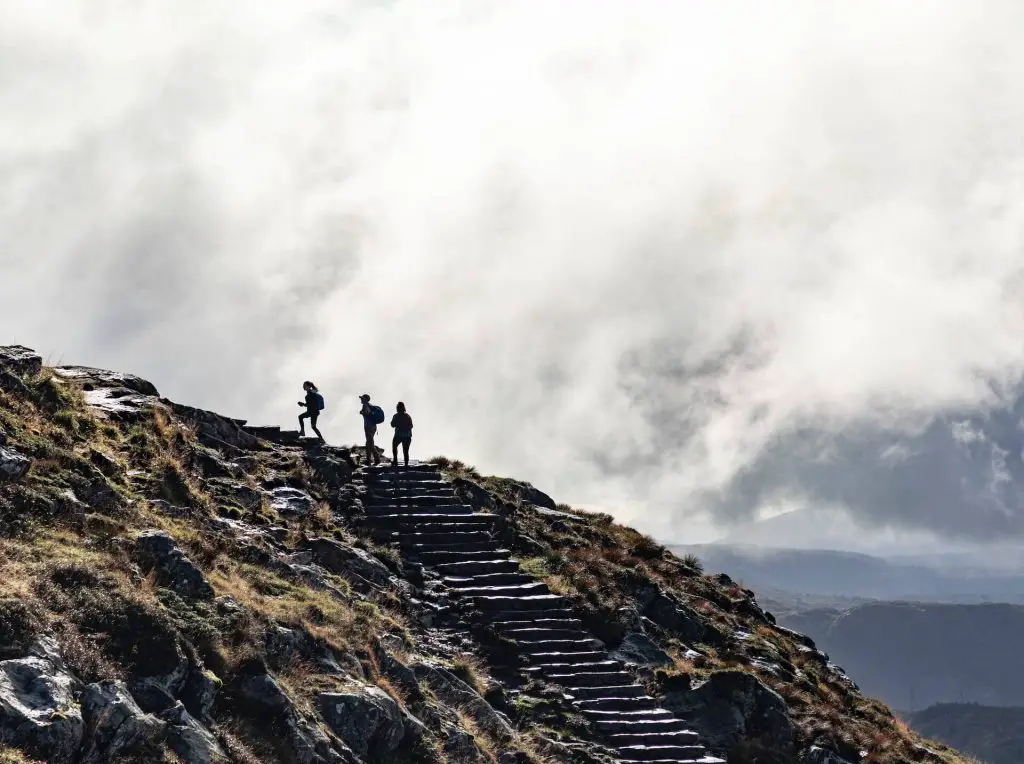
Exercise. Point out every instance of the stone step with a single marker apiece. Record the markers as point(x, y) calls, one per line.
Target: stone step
point(622, 691)
point(591, 679)
point(539, 623)
point(443, 556)
point(502, 590)
point(404, 482)
point(558, 646)
point(416, 467)
point(637, 753)
point(504, 617)
point(262, 431)
point(569, 666)
point(403, 520)
point(531, 634)
point(274, 434)
point(448, 546)
point(588, 656)
point(460, 536)
point(536, 602)
point(676, 737)
point(636, 714)
point(637, 725)
point(411, 500)
point(418, 498)
point(617, 704)
point(477, 568)
point(391, 535)
point(396, 508)
point(488, 579)
point(705, 759)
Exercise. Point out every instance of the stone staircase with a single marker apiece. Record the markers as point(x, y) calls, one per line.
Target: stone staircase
point(417, 509)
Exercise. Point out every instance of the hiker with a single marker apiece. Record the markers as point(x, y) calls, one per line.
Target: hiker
point(314, 404)
point(402, 423)
point(372, 416)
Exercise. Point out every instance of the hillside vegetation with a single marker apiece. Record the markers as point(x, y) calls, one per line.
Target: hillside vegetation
point(179, 587)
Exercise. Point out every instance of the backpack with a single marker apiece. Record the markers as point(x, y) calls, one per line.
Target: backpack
point(378, 414)
point(319, 401)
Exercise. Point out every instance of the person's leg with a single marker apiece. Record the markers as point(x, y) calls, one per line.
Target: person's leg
point(394, 451)
point(312, 424)
point(405, 449)
point(371, 453)
point(302, 425)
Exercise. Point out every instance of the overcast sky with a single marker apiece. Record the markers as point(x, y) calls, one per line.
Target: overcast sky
point(621, 249)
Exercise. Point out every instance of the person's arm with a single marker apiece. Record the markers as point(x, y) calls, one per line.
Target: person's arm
point(394, 422)
point(409, 419)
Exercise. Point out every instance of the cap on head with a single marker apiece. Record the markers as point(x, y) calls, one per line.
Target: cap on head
point(364, 397)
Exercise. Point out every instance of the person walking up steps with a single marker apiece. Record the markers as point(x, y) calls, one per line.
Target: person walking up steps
point(402, 423)
point(314, 404)
point(372, 416)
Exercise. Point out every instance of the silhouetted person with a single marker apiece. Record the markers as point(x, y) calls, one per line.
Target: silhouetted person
point(402, 423)
point(314, 403)
point(370, 420)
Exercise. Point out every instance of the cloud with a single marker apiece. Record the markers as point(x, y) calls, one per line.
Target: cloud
point(635, 253)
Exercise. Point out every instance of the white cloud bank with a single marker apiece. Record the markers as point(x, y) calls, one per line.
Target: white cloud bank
point(617, 248)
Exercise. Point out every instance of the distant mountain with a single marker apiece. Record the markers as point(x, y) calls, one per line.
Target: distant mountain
point(994, 735)
point(791, 574)
point(914, 655)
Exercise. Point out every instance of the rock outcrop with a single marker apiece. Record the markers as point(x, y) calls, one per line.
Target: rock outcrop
point(38, 709)
point(160, 552)
point(13, 465)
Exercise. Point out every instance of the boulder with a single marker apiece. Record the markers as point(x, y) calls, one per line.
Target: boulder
point(679, 619)
point(349, 561)
point(734, 706)
point(638, 649)
point(303, 741)
point(114, 723)
point(263, 693)
point(38, 712)
point(454, 692)
point(534, 496)
point(20, 360)
point(366, 718)
point(291, 502)
point(241, 494)
point(216, 431)
point(474, 495)
point(280, 645)
point(460, 746)
point(104, 378)
point(200, 692)
point(12, 465)
point(175, 570)
point(817, 754)
point(12, 383)
point(334, 470)
point(190, 740)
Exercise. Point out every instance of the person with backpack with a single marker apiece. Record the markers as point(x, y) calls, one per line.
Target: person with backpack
point(372, 416)
point(402, 423)
point(314, 404)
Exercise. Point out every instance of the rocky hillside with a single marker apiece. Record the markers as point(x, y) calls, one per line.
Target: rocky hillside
point(179, 586)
